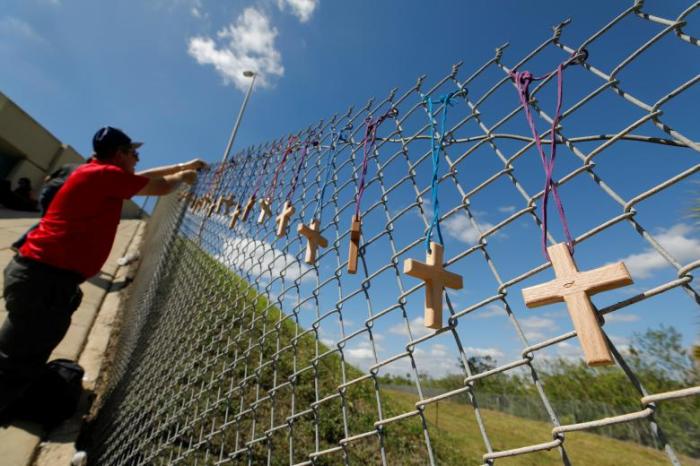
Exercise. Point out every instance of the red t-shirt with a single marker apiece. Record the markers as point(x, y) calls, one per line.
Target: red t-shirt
point(78, 230)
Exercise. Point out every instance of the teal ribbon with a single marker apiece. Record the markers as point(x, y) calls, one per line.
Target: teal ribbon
point(436, 147)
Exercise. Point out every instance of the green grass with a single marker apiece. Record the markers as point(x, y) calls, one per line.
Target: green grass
point(455, 423)
point(222, 322)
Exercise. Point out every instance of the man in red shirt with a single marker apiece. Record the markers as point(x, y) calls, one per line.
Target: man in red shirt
point(70, 245)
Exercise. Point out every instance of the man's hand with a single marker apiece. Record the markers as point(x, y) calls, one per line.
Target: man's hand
point(188, 176)
point(195, 164)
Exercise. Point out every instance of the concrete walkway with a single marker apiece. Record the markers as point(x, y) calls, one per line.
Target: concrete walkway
point(85, 342)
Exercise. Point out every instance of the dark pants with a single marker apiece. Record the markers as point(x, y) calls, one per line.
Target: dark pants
point(40, 300)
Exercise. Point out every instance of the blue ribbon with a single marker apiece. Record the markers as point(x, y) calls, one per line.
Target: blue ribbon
point(436, 147)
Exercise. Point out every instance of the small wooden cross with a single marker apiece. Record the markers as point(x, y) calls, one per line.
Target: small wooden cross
point(575, 288)
point(313, 238)
point(283, 218)
point(228, 202)
point(248, 207)
point(436, 279)
point(194, 204)
point(355, 230)
point(265, 211)
point(215, 206)
point(199, 204)
point(204, 201)
point(234, 216)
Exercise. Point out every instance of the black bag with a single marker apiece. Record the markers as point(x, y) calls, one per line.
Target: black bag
point(54, 396)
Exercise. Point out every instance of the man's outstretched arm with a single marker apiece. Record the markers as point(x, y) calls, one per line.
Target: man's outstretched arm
point(162, 185)
point(159, 172)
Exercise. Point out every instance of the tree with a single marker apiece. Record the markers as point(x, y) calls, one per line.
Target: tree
point(660, 351)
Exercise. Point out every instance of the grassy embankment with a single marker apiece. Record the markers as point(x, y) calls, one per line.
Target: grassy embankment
point(235, 338)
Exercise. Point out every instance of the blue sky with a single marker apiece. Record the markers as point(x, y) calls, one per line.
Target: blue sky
point(168, 72)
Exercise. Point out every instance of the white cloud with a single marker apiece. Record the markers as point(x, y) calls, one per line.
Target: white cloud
point(348, 322)
point(438, 350)
point(418, 329)
point(195, 7)
point(247, 44)
point(293, 301)
point(675, 240)
point(360, 354)
point(302, 9)
point(621, 317)
point(460, 227)
point(12, 28)
point(437, 360)
point(427, 214)
point(569, 350)
point(493, 352)
point(491, 310)
point(534, 327)
point(260, 259)
point(197, 10)
point(621, 343)
point(507, 209)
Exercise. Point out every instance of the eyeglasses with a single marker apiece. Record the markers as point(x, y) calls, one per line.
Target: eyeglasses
point(131, 151)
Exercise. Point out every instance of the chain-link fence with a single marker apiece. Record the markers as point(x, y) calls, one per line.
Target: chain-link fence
point(238, 347)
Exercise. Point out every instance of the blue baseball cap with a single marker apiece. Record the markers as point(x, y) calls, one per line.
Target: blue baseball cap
point(108, 139)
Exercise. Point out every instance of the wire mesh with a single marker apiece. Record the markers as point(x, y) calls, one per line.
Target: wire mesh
point(235, 350)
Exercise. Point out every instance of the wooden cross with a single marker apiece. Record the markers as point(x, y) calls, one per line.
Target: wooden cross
point(265, 211)
point(283, 218)
point(248, 207)
point(228, 202)
point(234, 216)
point(204, 200)
point(436, 279)
point(355, 230)
point(313, 238)
point(194, 205)
point(200, 204)
point(215, 206)
point(575, 288)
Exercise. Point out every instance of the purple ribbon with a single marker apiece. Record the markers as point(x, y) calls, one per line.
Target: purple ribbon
point(258, 182)
point(522, 83)
point(368, 145)
point(304, 151)
point(291, 145)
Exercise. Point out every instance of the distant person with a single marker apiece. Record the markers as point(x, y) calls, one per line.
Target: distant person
point(24, 190)
point(23, 193)
point(6, 194)
point(11, 200)
point(70, 245)
point(52, 183)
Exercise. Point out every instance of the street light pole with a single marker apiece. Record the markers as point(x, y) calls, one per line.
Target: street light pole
point(247, 74)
